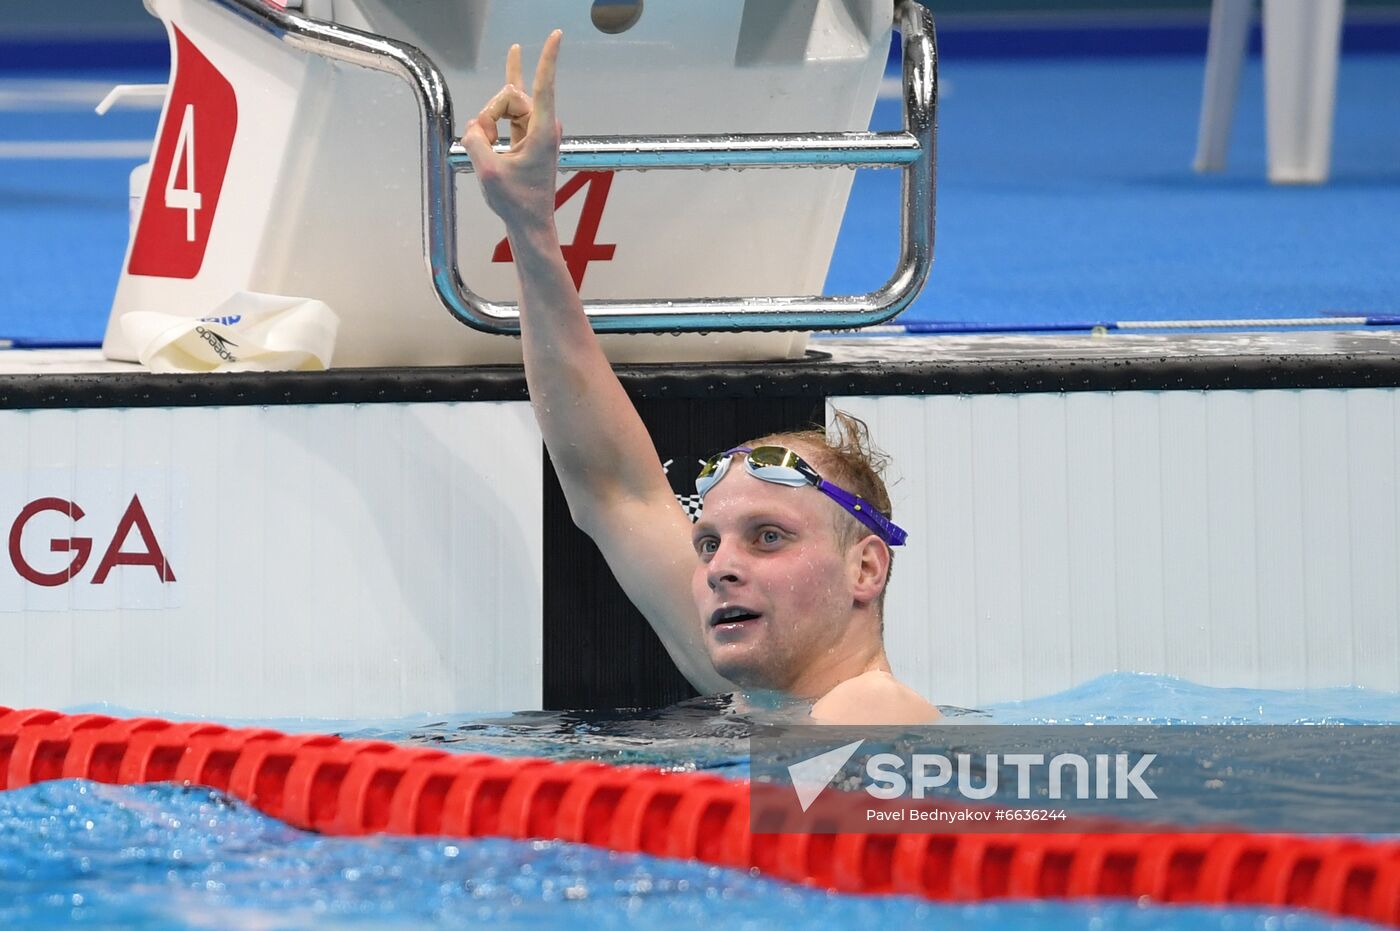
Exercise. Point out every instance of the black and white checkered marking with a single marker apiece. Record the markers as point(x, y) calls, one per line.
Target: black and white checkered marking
point(691, 504)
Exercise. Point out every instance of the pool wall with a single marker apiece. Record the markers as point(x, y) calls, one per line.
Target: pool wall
point(289, 559)
point(1234, 538)
point(383, 542)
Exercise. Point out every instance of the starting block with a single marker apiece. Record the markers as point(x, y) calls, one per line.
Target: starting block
point(309, 149)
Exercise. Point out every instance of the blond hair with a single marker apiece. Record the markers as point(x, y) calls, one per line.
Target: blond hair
point(845, 455)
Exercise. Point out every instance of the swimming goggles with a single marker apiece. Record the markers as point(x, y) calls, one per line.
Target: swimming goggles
point(781, 466)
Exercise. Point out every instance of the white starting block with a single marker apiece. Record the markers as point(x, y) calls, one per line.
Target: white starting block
point(311, 152)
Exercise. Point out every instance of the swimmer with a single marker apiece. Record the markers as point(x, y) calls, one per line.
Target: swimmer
point(780, 585)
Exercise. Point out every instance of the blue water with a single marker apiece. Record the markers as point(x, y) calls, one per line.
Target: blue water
point(1125, 698)
point(165, 857)
point(162, 856)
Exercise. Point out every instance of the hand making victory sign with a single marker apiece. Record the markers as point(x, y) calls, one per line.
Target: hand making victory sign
point(519, 184)
point(604, 458)
point(763, 592)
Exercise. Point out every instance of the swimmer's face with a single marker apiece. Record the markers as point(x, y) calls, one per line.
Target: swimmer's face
point(774, 588)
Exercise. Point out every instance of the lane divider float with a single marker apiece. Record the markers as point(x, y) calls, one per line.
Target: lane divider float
point(355, 787)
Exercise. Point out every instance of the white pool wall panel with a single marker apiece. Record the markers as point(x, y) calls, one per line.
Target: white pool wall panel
point(330, 560)
point(341, 559)
point(1233, 538)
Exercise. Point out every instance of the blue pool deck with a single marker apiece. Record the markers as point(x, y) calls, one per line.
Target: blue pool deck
point(1065, 194)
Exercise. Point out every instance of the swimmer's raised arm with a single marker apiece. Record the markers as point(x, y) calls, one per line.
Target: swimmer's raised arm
point(617, 491)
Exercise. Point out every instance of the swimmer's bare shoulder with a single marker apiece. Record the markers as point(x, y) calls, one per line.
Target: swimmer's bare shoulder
point(874, 697)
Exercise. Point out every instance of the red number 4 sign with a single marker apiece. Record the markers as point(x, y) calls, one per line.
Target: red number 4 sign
point(187, 173)
point(585, 248)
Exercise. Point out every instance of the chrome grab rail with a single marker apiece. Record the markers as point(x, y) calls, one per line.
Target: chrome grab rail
point(913, 150)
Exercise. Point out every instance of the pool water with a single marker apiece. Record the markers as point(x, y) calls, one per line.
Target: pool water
point(711, 733)
point(164, 856)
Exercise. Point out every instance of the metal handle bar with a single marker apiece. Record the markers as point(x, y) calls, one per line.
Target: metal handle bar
point(782, 150)
point(913, 150)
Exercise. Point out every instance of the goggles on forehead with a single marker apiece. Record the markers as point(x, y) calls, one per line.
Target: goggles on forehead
point(781, 466)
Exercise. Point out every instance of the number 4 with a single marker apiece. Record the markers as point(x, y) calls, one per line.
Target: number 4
point(585, 248)
point(184, 198)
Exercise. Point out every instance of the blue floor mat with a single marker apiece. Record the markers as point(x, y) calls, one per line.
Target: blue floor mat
point(1065, 193)
point(63, 221)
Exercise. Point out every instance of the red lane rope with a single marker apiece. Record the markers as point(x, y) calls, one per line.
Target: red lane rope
point(353, 787)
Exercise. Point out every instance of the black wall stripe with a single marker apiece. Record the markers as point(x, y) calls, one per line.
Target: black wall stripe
point(1040, 364)
point(599, 652)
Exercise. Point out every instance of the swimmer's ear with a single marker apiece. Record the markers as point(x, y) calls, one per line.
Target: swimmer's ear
point(871, 568)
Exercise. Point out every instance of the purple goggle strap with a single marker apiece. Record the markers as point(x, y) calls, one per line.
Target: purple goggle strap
point(861, 510)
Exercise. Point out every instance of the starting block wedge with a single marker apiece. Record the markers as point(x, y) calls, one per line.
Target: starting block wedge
point(309, 149)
